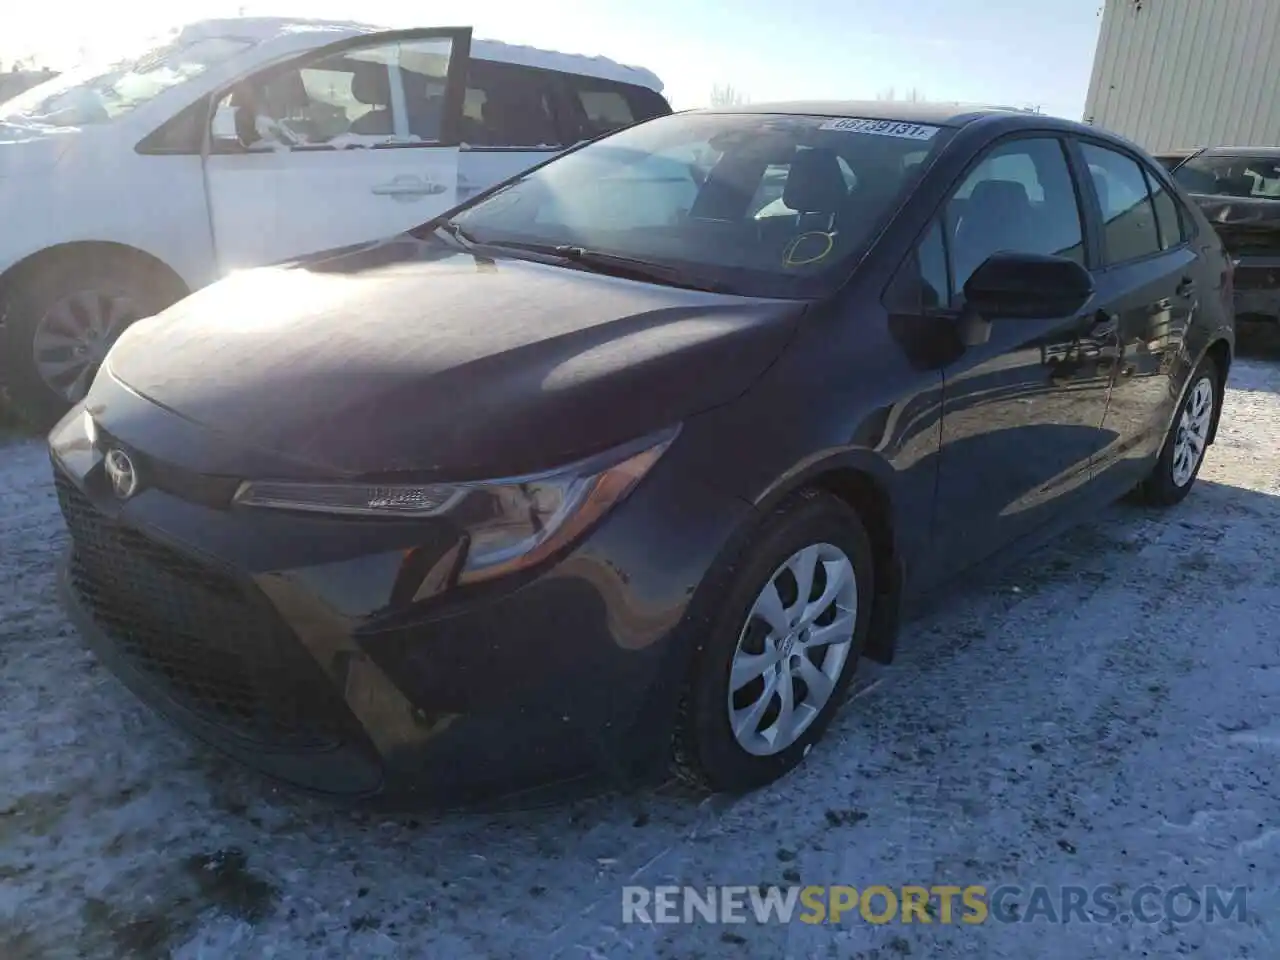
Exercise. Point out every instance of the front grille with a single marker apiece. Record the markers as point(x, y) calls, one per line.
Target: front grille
point(210, 642)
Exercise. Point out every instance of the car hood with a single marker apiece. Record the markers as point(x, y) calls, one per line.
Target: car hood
point(26, 148)
point(411, 356)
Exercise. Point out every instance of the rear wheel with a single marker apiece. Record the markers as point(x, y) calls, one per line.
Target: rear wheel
point(61, 317)
point(781, 653)
point(1185, 445)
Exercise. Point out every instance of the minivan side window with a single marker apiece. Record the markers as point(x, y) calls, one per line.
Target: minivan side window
point(362, 96)
point(1020, 198)
point(506, 105)
point(1128, 214)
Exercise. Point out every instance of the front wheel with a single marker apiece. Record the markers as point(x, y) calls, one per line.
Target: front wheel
point(63, 315)
point(1187, 442)
point(791, 625)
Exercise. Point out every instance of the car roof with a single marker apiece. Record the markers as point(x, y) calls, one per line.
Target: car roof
point(268, 29)
point(1269, 153)
point(906, 111)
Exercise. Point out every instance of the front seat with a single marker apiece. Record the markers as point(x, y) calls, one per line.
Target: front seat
point(998, 216)
point(370, 85)
point(815, 188)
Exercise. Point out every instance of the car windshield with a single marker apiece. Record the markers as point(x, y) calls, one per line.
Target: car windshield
point(95, 96)
point(1231, 176)
point(758, 204)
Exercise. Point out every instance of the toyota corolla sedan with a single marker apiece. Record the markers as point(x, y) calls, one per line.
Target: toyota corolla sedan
point(622, 466)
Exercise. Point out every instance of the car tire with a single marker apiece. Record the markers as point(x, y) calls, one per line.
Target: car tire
point(813, 530)
point(80, 301)
point(1187, 442)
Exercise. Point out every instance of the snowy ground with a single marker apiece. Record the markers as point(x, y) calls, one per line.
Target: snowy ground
point(1109, 713)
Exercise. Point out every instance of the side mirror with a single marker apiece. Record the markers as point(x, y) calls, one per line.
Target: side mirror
point(1027, 286)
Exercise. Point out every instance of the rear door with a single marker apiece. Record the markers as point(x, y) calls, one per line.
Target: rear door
point(353, 142)
point(1148, 285)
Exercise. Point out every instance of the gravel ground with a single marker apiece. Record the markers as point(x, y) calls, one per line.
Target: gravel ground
point(1105, 713)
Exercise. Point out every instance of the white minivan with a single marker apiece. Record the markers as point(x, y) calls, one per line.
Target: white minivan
point(247, 141)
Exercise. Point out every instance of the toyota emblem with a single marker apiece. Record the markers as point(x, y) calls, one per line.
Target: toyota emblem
point(121, 473)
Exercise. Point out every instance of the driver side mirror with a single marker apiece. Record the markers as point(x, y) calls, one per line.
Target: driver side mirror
point(1028, 286)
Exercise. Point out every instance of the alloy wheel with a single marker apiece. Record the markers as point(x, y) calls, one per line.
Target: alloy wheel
point(73, 337)
point(792, 649)
point(1193, 432)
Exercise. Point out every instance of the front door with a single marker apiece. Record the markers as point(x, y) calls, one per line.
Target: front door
point(351, 143)
point(1149, 284)
point(1022, 413)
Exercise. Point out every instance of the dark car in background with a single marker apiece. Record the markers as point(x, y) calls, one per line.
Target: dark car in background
point(616, 470)
point(1238, 188)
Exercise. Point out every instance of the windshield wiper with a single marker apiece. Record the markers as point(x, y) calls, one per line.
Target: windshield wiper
point(617, 265)
point(459, 233)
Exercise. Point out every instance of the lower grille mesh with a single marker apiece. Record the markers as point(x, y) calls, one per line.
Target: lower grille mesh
point(210, 642)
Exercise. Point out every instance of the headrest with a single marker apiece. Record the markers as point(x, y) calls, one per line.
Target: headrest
point(999, 195)
point(815, 183)
point(369, 83)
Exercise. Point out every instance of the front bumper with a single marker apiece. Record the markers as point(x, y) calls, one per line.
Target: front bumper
point(292, 643)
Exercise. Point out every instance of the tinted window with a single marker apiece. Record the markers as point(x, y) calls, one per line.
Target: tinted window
point(1127, 213)
point(1020, 198)
point(1168, 217)
point(920, 285)
point(681, 191)
point(508, 106)
point(604, 107)
point(1231, 176)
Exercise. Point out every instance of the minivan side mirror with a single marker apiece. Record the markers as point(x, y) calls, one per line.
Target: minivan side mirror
point(1027, 286)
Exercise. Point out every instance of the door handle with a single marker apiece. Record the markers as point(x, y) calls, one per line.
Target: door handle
point(1187, 288)
point(408, 188)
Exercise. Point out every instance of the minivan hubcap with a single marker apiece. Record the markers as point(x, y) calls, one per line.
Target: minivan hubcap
point(1193, 432)
point(792, 649)
point(73, 337)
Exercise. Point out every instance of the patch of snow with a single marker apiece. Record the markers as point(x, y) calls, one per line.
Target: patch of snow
point(1108, 723)
point(265, 30)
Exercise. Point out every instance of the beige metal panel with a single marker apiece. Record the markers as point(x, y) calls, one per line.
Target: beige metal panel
point(1184, 73)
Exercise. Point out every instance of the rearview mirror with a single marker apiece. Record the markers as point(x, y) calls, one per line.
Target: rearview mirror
point(1028, 286)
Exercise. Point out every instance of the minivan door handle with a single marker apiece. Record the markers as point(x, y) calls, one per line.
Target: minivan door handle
point(1187, 288)
point(407, 188)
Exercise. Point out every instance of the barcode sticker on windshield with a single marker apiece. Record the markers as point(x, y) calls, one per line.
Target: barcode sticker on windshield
point(881, 128)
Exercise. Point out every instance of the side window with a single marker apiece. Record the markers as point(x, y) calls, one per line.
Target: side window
point(1020, 198)
point(1128, 215)
point(508, 106)
point(647, 104)
point(364, 96)
point(1169, 219)
point(920, 286)
point(605, 107)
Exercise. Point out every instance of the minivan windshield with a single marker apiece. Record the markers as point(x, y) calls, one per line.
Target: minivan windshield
point(1231, 176)
point(758, 204)
point(94, 96)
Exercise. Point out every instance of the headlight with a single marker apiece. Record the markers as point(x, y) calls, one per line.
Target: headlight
point(510, 523)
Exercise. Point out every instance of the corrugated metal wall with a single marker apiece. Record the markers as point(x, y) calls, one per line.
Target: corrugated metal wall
point(1188, 73)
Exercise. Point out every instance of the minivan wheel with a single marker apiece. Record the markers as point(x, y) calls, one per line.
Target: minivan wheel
point(782, 648)
point(61, 317)
point(1187, 442)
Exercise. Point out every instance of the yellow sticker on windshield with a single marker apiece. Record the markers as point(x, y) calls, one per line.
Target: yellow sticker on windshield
point(881, 128)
